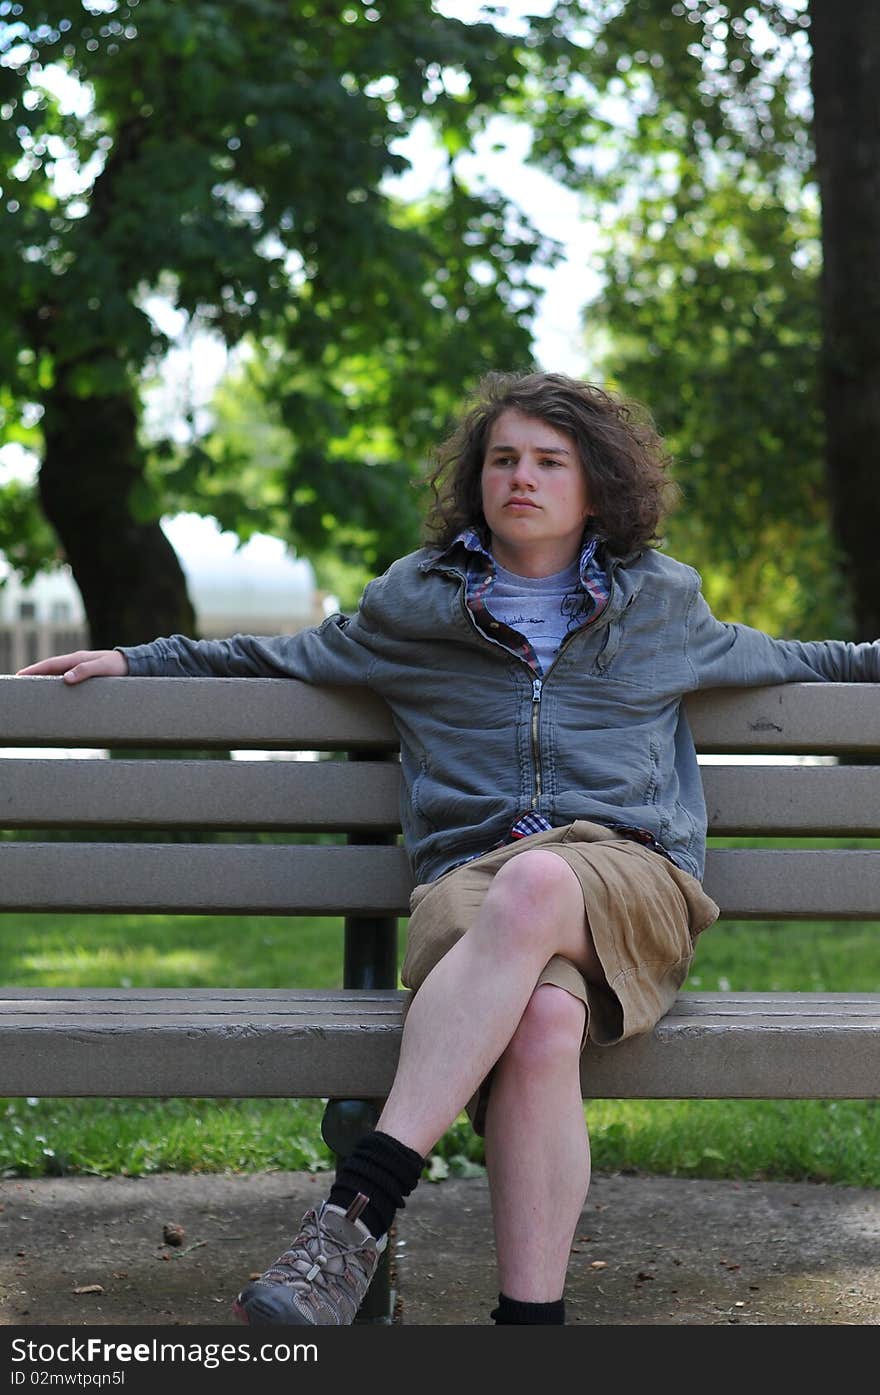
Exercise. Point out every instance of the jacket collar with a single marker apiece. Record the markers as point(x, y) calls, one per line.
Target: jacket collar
point(474, 543)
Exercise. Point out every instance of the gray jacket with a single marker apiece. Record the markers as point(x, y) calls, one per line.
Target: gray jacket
point(601, 737)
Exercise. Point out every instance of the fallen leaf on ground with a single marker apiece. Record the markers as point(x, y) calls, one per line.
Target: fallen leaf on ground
point(89, 1288)
point(599, 1264)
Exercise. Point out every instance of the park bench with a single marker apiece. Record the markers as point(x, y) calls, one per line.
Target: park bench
point(340, 1043)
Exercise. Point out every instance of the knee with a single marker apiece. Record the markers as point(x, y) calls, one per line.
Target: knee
point(549, 1033)
point(533, 889)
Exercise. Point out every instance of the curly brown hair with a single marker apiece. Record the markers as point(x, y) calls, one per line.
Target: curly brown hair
point(623, 455)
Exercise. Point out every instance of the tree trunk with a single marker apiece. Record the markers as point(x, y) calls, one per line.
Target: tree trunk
point(132, 585)
point(846, 83)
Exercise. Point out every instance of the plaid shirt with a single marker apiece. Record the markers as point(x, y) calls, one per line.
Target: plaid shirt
point(580, 607)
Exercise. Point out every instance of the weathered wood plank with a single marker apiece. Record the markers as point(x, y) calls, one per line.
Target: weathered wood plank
point(224, 713)
point(817, 718)
point(198, 1042)
point(326, 1043)
point(272, 713)
point(823, 800)
point(819, 884)
point(201, 879)
point(810, 800)
point(320, 795)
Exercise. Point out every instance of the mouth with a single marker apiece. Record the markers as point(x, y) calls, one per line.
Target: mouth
point(520, 504)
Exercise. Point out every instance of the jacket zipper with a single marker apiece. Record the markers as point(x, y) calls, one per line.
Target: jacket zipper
point(537, 693)
point(537, 689)
point(537, 683)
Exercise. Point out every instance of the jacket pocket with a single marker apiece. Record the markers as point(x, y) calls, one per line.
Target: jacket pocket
point(415, 798)
point(611, 643)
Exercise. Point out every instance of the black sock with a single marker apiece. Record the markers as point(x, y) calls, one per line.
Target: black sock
point(512, 1313)
point(384, 1170)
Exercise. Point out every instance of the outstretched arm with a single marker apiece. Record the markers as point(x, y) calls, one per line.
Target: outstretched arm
point(333, 652)
point(84, 663)
point(729, 655)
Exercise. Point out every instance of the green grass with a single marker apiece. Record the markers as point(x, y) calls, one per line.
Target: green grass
point(796, 1140)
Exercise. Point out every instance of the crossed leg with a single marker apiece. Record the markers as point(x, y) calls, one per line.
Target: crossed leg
point(478, 1006)
point(537, 1147)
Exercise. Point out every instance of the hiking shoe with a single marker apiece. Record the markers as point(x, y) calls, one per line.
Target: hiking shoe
point(321, 1280)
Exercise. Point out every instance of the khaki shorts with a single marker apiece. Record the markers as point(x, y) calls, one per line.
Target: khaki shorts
point(644, 914)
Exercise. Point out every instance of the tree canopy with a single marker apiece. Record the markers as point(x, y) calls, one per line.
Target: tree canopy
point(708, 138)
point(234, 159)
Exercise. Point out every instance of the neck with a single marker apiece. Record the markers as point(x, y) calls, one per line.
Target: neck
point(535, 562)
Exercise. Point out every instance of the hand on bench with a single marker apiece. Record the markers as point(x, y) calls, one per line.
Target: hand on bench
point(84, 663)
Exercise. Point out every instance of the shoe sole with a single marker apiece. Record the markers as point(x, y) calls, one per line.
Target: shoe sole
point(267, 1307)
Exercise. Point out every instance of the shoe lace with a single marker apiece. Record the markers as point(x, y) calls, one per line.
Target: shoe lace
point(319, 1249)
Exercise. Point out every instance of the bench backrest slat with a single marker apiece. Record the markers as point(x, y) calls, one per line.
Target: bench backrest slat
point(824, 718)
point(201, 794)
point(362, 880)
point(364, 796)
point(805, 718)
point(195, 878)
point(256, 713)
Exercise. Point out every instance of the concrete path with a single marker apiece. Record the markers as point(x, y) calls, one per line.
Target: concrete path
point(649, 1251)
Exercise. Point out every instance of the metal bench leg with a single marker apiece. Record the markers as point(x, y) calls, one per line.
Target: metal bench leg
point(370, 962)
point(344, 1122)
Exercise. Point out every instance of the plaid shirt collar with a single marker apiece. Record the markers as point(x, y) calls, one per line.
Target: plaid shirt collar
point(481, 572)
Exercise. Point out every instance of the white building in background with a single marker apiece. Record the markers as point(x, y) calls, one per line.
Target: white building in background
point(257, 588)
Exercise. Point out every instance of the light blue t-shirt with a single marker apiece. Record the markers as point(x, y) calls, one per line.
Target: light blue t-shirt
point(533, 606)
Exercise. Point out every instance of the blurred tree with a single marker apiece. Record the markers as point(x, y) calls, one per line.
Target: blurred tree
point(233, 159)
point(846, 95)
point(328, 446)
point(720, 334)
point(704, 134)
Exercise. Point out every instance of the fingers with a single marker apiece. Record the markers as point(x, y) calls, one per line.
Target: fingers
point(59, 663)
point(83, 663)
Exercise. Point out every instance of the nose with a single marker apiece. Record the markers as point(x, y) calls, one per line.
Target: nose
point(523, 476)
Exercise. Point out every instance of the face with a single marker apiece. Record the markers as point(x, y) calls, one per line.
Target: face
point(536, 497)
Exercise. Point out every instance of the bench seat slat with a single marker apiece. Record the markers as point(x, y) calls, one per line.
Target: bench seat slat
point(201, 879)
point(229, 1043)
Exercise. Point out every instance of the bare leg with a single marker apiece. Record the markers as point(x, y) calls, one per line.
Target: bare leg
point(465, 1013)
point(537, 1147)
point(458, 1025)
